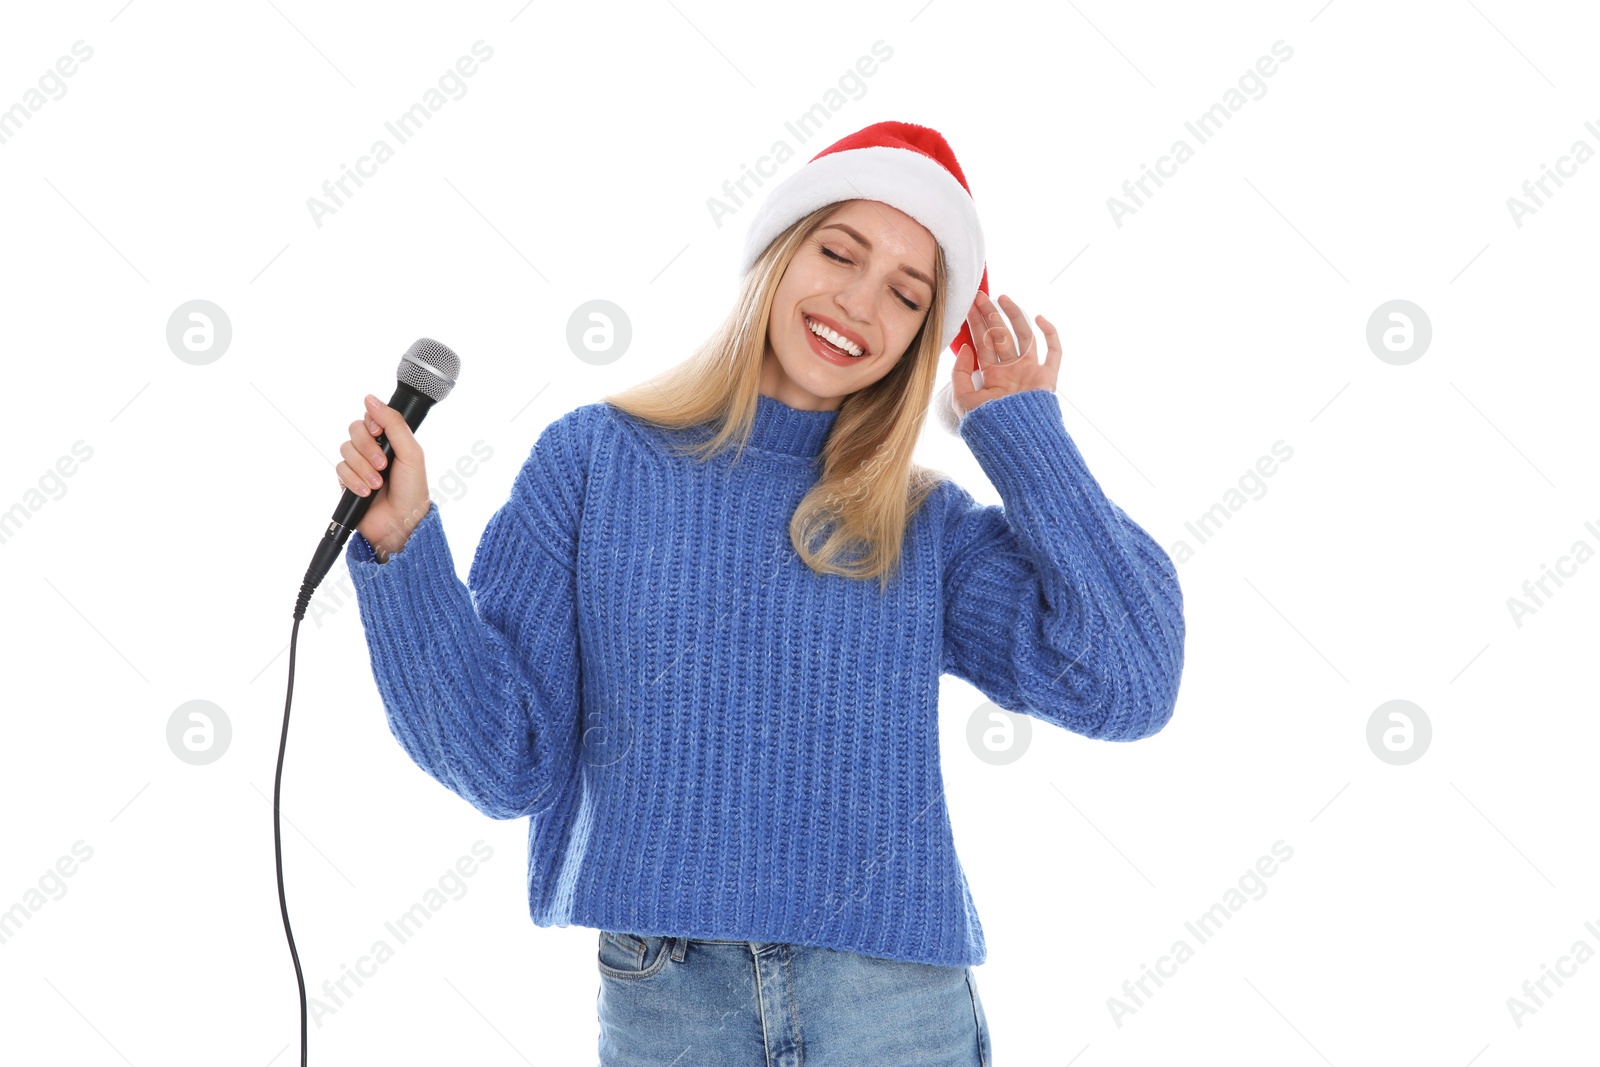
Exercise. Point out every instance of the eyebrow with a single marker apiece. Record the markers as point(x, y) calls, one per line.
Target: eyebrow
point(917, 274)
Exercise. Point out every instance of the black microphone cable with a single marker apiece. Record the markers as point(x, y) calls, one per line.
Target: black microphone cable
point(426, 374)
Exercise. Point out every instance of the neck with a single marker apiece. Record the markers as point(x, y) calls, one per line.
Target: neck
point(789, 431)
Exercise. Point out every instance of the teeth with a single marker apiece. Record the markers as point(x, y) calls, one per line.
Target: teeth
point(828, 335)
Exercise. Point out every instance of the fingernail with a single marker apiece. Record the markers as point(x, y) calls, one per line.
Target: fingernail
point(372, 402)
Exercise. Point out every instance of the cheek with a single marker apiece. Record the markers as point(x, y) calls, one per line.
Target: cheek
point(905, 339)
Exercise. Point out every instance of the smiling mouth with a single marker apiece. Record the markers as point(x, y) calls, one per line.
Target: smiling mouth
point(812, 326)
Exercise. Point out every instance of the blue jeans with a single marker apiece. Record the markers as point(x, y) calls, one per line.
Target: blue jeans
point(673, 1002)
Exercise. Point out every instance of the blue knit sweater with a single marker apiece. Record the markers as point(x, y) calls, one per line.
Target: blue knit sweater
point(713, 741)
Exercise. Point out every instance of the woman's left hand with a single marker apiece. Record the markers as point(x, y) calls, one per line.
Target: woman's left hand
point(1005, 371)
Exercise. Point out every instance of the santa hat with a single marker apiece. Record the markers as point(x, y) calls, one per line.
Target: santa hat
point(908, 167)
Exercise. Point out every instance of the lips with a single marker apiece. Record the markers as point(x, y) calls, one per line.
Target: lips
point(855, 338)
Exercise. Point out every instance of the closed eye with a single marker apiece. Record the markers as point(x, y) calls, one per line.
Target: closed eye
point(913, 305)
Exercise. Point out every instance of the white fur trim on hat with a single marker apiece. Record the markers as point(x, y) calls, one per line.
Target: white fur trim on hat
point(902, 178)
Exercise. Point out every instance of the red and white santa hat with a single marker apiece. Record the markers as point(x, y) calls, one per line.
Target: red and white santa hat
point(908, 167)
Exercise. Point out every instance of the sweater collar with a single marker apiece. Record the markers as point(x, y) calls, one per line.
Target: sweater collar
point(789, 431)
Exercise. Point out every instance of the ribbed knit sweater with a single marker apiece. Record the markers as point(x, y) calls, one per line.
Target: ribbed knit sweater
point(712, 740)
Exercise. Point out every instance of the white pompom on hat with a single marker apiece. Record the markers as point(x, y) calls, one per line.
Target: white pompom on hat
point(908, 167)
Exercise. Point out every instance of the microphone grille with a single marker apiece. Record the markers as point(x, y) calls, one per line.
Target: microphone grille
point(430, 368)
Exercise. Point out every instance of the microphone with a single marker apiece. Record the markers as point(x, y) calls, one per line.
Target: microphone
point(426, 374)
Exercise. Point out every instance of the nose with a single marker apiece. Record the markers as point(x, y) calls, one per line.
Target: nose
point(855, 300)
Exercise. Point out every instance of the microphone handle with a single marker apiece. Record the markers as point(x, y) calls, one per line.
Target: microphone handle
point(413, 407)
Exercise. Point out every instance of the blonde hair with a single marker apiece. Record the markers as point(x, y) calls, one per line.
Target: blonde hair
point(869, 486)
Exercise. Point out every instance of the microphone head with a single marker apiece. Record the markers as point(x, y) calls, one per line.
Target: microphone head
point(430, 368)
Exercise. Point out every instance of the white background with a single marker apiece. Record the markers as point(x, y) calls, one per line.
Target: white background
point(1227, 313)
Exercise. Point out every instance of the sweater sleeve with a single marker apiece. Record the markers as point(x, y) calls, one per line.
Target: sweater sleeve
point(1057, 605)
point(480, 681)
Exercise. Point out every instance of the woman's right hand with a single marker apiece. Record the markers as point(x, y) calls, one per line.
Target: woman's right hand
point(401, 500)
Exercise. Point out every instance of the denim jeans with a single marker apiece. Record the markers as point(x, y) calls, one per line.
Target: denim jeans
point(677, 1002)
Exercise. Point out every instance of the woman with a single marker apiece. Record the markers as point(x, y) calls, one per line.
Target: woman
point(700, 645)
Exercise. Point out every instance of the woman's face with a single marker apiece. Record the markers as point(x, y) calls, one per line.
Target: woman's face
point(866, 273)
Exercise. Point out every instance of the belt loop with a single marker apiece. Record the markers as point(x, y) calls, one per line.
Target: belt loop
point(679, 944)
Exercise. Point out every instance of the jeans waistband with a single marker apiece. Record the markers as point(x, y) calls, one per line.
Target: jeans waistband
point(678, 946)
